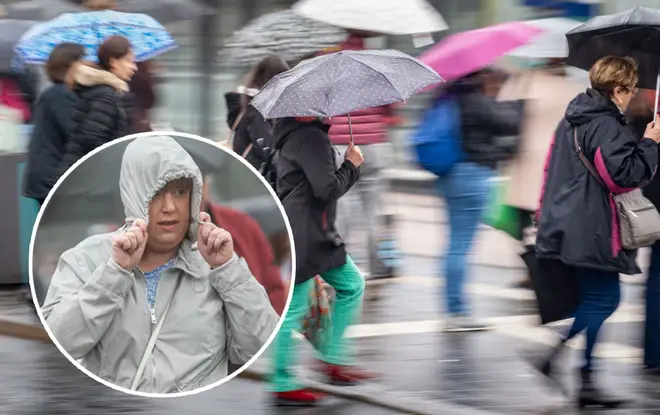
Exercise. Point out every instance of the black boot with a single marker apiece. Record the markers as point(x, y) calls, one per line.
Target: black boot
point(546, 367)
point(592, 396)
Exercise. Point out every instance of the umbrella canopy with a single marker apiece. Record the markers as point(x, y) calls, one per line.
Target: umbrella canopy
point(467, 52)
point(634, 32)
point(166, 11)
point(392, 17)
point(148, 37)
point(38, 9)
point(10, 32)
point(552, 43)
point(283, 33)
point(342, 82)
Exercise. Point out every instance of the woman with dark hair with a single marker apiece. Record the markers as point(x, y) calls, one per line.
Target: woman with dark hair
point(100, 116)
point(52, 116)
point(482, 124)
point(253, 134)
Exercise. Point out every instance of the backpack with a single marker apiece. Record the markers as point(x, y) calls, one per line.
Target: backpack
point(437, 141)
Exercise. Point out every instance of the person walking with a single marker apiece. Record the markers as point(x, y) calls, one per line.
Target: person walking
point(309, 185)
point(547, 91)
point(578, 221)
point(99, 116)
point(253, 134)
point(52, 115)
point(483, 121)
point(169, 272)
point(362, 207)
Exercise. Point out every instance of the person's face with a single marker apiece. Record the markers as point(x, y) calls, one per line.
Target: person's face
point(169, 216)
point(124, 68)
point(623, 95)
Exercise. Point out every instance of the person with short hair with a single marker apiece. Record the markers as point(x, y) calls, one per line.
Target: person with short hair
point(169, 272)
point(578, 221)
point(99, 116)
point(51, 119)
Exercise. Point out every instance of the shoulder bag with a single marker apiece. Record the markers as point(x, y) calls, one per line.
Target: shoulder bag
point(639, 221)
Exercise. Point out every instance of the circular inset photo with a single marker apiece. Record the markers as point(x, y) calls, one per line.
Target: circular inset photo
point(159, 264)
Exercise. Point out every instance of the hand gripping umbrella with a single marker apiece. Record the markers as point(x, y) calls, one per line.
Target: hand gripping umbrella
point(342, 82)
point(634, 32)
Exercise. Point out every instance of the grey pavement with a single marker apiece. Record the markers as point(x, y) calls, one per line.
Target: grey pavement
point(399, 335)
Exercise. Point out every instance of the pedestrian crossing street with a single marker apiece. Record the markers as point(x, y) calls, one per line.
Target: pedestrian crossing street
point(522, 327)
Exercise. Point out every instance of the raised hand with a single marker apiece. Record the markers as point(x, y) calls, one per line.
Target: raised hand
point(128, 247)
point(215, 244)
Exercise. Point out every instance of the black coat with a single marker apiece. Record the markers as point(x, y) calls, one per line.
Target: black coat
point(652, 190)
point(578, 223)
point(98, 118)
point(251, 127)
point(51, 118)
point(484, 121)
point(309, 184)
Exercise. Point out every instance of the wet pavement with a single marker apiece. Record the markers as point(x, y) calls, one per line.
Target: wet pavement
point(398, 336)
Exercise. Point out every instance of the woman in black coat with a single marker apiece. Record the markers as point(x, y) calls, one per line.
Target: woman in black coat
point(99, 116)
point(253, 134)
point(578, 224)
point(309, 185)
point(52, 115)
point(640, 117)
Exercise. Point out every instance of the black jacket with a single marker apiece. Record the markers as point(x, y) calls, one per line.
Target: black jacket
point(309, 184)
point(99, 117)
point(251, 127)
point(51, 119)
point(483, 121)
point(578, 222)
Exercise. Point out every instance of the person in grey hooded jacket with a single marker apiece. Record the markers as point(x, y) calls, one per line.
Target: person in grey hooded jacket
point(168, 267)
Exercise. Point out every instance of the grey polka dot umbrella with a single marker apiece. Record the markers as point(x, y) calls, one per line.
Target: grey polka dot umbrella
point(342, 82)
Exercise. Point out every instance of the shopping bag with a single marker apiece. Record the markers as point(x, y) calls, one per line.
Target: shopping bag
point(317, 324)
point(555, 285)
point(500, 216)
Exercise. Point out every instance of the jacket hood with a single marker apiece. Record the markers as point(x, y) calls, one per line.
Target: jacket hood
point(148, 164)
point(285, 126)
point(590, 105)
point(86, 74)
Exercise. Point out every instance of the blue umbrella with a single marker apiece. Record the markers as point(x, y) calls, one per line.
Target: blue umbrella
point(148, 37)
point(342, 82)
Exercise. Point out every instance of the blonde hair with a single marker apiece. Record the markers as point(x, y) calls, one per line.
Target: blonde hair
point(613, 71)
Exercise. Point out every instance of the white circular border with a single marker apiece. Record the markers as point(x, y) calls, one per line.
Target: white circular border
point(172, 134)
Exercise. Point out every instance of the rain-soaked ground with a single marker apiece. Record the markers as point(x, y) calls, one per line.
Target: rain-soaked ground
point(399, 337)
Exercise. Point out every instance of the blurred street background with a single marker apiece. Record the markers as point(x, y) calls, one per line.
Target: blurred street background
point(426, 371)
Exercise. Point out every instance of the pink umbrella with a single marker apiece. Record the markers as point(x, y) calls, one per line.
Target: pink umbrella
point(467, 52)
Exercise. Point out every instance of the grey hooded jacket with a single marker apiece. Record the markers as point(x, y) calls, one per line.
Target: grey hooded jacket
point(100, 314)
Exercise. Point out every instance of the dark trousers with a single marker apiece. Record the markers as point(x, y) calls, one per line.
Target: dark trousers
point(652, 325)
point(600, 294)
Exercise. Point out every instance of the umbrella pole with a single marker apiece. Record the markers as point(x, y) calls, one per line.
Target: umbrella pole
point(350, 126)
point(657, 95)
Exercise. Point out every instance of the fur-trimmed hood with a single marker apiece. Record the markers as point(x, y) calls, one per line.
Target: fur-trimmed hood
point(88, 74)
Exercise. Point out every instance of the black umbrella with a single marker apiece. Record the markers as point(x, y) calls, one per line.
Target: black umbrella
point(38, 9)
point(166, 11)
point(634, 32)
point(10, 32)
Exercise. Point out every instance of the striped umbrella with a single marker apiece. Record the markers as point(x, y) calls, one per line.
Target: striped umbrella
point(282, 33)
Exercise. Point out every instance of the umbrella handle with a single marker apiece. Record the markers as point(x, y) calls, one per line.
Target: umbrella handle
point(657, 95)
point(350, 126)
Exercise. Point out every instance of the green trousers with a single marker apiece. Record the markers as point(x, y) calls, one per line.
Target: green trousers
point(349, 287)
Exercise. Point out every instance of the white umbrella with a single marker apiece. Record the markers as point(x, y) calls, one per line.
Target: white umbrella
point(391, 17)
point(552, 43)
